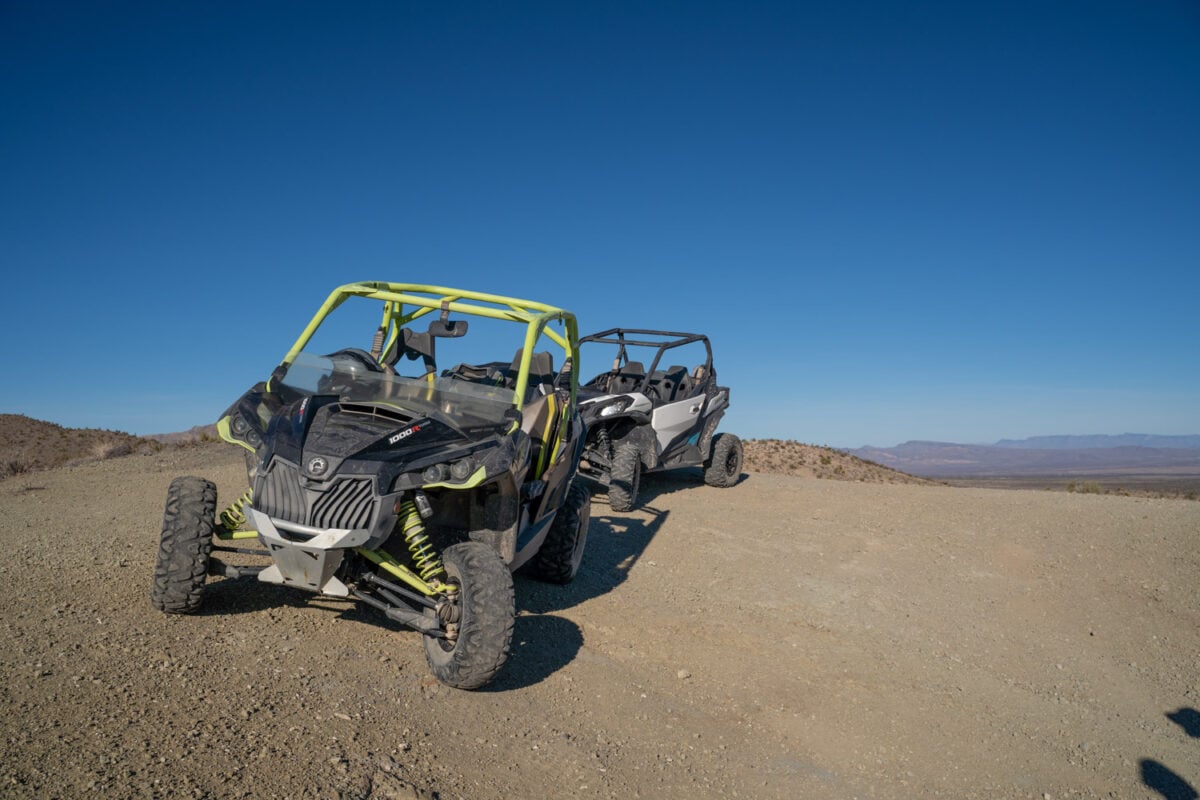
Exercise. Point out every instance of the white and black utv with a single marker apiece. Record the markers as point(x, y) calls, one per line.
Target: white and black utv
point(656, 412)
point(415, 494)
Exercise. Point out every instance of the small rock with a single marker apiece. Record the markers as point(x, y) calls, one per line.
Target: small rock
point(683, 674)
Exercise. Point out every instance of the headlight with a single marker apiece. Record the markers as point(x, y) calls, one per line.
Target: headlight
point(244, 431)
point(464, 472)
point(459, 471)
point(616, 407)
point(434, 474)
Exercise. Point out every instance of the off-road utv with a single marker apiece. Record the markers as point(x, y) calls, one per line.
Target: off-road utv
point(416, 494)
point(643, 418)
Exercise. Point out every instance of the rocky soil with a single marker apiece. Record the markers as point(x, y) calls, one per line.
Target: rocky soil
point(784, 638)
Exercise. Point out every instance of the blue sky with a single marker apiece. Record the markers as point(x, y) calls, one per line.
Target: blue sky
point(950, 221)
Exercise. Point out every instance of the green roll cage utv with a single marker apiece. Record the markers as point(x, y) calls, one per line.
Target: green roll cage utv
point(418, 494)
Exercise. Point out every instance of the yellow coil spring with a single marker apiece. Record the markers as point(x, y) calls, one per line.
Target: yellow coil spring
point(233, 518)
point(429, 566)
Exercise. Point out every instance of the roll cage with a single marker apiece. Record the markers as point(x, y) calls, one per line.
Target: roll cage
point(664, 341)
point(405, 303)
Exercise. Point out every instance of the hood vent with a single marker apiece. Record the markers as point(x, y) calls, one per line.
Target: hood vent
point(385, 413)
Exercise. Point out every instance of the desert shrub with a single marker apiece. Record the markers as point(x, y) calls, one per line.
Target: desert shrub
point(825, 459)
point(16, 466)
point(1086, 487)
point(106, 450)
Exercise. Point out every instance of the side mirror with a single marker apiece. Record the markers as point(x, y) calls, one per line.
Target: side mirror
point(448, 328)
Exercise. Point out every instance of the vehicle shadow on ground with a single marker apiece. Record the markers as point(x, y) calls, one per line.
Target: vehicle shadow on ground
point(615, 543)
point(224, 596)
point(542, 644)
point(1161, 778)
point(659, 484)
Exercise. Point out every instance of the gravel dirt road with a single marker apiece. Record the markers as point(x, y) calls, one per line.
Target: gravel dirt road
point(785, 638)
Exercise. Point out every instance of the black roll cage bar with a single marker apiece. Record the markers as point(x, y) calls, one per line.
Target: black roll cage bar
point(617, 336)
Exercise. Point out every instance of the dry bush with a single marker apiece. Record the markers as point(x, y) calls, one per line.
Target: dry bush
point(16, 466)
point(107, 450)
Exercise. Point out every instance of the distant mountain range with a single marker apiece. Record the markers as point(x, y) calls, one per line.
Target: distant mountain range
point(1101, 440)
point(1126, 454)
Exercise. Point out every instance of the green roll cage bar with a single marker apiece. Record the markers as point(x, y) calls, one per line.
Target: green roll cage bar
point(428, 299)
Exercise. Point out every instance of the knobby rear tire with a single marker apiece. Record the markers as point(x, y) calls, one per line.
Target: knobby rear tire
point(724, 466)
point(561, 553)
point(625, 478)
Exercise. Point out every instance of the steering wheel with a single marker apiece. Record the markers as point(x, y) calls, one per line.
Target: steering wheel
point(361, 358)
point(364, 358)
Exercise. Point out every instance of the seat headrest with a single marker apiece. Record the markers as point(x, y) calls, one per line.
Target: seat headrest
point(541, 367)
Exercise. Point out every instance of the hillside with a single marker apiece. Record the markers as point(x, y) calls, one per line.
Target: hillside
point(30, 444)
point(787, 457)
point(193, 435)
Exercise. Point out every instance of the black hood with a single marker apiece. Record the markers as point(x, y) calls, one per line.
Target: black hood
point(357, 438)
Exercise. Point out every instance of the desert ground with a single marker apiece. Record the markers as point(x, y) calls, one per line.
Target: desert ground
point(789, 637)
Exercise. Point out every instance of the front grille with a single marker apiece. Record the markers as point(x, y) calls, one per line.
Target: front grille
point(281, 496)
point(347, 503)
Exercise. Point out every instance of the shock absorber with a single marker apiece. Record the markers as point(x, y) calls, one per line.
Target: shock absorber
point(428, 565)
point(604, 442)
point(233, 517)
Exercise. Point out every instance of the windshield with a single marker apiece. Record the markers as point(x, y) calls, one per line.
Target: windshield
point(458, 403)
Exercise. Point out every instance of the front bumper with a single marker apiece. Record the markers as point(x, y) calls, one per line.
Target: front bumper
point(305, 557)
